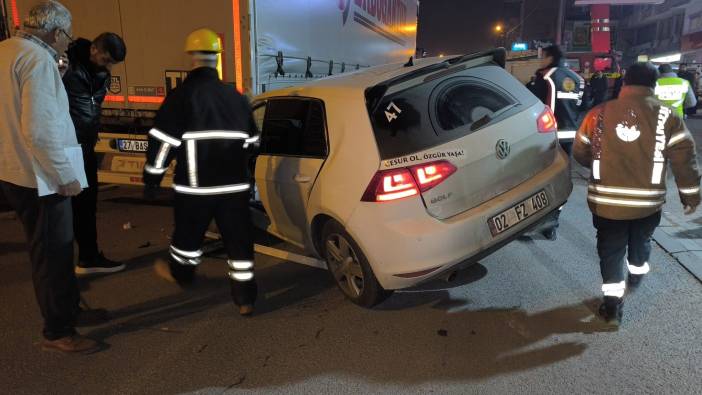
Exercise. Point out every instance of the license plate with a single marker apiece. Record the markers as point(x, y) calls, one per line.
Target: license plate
point(132, 145)
point(518, 213)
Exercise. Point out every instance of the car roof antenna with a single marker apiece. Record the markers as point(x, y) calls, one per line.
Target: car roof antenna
point(410, 63)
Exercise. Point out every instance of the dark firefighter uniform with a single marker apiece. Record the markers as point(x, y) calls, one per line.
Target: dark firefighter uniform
point(206, 126)
point(562, 90)
point(628, 143)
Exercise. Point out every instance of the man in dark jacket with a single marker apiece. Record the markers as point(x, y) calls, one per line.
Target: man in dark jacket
point(599, 86)
point(562, 90)
point(87, 80)
point(618, 83)
point(206, 126)
point(628, 143)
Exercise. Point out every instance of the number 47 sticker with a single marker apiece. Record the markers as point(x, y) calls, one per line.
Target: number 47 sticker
point(392, 112)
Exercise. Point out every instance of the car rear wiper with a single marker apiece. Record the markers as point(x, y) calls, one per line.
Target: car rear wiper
point(487, 118)
point(480, 122)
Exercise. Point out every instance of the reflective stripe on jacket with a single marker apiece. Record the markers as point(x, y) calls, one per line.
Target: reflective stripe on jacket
point(207, 127)
point(562, 90)
point(627, 144)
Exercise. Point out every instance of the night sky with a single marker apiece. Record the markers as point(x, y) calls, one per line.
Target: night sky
point(457, 26)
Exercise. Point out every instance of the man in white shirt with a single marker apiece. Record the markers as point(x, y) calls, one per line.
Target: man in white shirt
point(35, 130)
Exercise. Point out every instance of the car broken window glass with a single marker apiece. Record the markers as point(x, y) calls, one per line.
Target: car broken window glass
point(294, 127)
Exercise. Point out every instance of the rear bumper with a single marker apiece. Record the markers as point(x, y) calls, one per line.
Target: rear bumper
point(401, 238)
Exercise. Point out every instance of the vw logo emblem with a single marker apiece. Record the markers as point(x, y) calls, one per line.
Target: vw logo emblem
point(502, 148)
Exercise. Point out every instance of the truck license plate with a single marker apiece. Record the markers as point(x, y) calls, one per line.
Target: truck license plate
point(132, 145)
point(518, 213)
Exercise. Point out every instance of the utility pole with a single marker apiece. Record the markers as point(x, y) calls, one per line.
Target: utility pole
point(521, 20)
point(559, 23)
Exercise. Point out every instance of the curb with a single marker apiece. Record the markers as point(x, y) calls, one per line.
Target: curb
point(691, 260)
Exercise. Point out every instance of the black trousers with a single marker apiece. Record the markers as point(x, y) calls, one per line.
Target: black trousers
point(552, 221)
point(85, 209)
point(193, 215)
point(567, 146)
point(48, 228)
point(619, 238)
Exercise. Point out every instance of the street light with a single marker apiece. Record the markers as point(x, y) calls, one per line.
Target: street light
point(500, 31)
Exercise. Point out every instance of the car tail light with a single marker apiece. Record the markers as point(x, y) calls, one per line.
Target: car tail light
point(432, 174)
point(547, 122)
point(389, 185)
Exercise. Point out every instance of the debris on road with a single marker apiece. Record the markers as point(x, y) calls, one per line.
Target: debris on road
point(239, 382)
point(442, 332)
point(127, 226)
point(145, 245)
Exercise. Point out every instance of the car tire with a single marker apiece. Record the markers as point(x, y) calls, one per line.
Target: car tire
point(349, 267)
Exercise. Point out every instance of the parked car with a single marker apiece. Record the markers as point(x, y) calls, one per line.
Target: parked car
point(396, 174)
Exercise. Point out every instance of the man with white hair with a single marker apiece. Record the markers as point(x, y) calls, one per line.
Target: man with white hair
point(35, 130)
point(207, 126)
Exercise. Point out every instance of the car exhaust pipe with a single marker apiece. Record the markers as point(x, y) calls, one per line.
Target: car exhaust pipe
point(450, 276)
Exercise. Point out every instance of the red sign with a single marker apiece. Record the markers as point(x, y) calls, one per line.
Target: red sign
point(602, 64)
point(600, 28)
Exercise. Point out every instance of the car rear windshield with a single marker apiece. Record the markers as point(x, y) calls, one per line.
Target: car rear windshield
point(439, 110)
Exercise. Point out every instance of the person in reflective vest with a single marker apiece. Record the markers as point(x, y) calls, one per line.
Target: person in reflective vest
point(562, 90)
point(673, 91)
point(628, 143)
point(207, 127)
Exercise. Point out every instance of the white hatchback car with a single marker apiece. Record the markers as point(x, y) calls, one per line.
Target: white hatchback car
point(396, 174)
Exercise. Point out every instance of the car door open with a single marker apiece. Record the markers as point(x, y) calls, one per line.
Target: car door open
point(293, 150)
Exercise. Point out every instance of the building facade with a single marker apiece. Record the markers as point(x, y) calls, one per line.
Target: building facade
point(654, 32)
point(691, 42)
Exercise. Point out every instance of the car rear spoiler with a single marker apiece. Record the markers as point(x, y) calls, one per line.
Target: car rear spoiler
point(375, 93)
point(499, 57)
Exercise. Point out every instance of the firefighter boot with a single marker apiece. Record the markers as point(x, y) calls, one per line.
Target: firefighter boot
point(611, 310)
point(244, 295)
point(633, 281)
point(550, 234)
point(184, 275)
point(636, 275)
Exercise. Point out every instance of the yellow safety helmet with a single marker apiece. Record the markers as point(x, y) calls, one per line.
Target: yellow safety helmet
point(203, 40)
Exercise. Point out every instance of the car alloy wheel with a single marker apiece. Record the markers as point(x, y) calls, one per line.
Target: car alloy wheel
point(344, 265)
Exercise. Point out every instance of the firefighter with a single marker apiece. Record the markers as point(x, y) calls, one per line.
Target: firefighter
point(628, 143)
point(673, 91)
point(562, 90)
point(206, 126)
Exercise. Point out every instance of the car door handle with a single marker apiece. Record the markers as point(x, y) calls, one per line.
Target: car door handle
point(302, 178)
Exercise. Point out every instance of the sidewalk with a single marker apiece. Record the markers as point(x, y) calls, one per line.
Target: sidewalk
point(680, 235)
